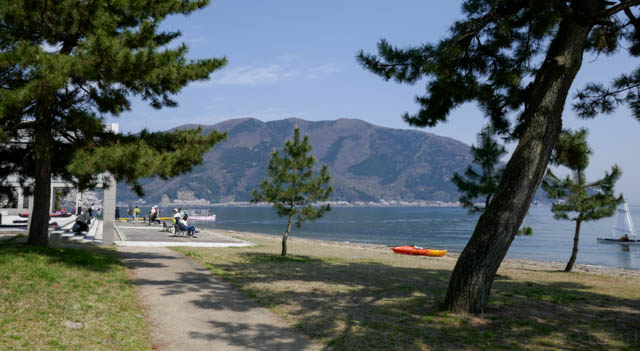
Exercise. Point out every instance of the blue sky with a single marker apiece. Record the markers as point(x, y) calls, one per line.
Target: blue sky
point(296, 58)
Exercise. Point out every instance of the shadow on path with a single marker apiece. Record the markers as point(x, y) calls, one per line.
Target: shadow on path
point(190, 309)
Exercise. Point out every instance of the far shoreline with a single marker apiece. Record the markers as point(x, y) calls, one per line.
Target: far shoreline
point(337, 204)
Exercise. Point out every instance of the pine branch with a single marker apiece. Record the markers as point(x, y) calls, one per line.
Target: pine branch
point(625, 4)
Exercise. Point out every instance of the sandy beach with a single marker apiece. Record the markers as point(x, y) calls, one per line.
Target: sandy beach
point(324, 247)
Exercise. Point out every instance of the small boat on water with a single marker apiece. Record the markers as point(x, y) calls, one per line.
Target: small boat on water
point(417, 250)
point(623, 231)
point(202, 215)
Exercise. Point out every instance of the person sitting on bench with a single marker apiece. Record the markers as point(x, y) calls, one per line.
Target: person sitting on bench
point(191, 230)
point(182, 224)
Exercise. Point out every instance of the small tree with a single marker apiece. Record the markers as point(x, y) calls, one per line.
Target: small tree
point(473, 185)
point(580, 201)
point(292, 187)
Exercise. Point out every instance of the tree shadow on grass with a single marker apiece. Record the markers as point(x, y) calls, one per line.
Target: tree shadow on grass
point(374, 306)
point(88, 257)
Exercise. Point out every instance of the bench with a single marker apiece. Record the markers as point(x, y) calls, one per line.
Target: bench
point(179, 232)
point(167, 227)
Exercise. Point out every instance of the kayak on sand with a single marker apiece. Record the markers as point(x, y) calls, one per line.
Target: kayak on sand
point(417, 250)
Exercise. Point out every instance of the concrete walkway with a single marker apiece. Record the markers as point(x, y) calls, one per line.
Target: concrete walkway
point(142, 234)
point(189, 309)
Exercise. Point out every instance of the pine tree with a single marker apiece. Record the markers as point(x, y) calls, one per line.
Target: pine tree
point(64, 66)
point(579, 200)
point(292, 187)
point(473, 185)
point(517, 59)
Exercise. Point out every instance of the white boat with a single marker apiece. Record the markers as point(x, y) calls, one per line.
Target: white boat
point(202, 215)
point(623, 231)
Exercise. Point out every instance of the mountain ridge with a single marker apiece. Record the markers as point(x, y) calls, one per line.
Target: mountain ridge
point(367, 162)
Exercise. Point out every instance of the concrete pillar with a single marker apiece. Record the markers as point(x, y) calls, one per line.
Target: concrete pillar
point(30, 216)
point(109, 203)
point(20, 198)
point(109, 209)
point(78, 196)
point(52, 198)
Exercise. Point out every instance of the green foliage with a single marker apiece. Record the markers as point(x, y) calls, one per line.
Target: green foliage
point(291, 185)
point(472, 185)
point(525, 231)
point(486, 58)
point(165, 155)
point(65, 65)
point(492, 55)
point(581, 200)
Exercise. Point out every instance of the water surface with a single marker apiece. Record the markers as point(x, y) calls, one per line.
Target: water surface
point(440, 228)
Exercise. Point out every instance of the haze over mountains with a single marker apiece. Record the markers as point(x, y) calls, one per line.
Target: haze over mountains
point(366, 162)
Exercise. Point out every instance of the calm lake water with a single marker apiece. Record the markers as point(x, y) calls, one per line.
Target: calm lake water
point(439, 228)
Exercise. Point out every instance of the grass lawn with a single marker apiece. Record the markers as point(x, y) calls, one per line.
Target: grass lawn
point(67, 299)
point(372, 299)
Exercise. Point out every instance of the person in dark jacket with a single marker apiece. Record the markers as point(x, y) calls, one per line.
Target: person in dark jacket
point(82, 223)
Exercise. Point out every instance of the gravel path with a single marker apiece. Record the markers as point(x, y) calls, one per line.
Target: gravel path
point(189, 309)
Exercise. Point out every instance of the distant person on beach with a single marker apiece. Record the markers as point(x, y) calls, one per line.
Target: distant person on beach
point(136, 211)
point(117, 213)
point(624, 237)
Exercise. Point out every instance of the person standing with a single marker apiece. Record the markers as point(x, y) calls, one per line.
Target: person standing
point(156, 214)
point(129, 213)
point(136, 211)
point(117, 213)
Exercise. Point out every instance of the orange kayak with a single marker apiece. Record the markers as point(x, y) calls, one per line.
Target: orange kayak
point(412, 250)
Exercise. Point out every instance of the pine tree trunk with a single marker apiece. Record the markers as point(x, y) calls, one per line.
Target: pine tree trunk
point(39, 228)
point(471, 281)
point(574, 253)
point(285, 236)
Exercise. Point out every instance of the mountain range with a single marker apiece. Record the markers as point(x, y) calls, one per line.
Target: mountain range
point(366, 162)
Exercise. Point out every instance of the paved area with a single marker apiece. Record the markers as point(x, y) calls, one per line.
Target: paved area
point(189, 309)
point(143, 234)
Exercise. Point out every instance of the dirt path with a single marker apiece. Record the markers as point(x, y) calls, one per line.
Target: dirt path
point(189, 309)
